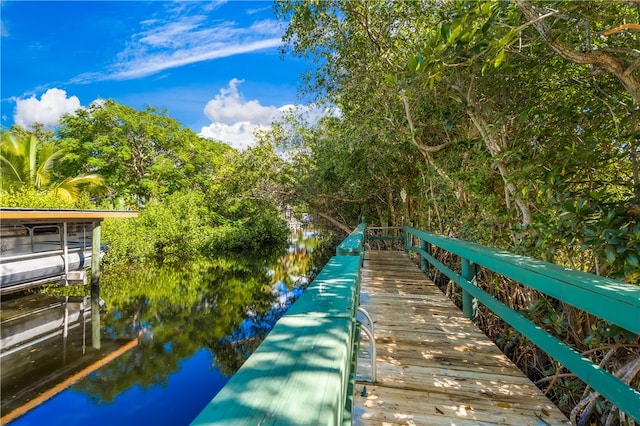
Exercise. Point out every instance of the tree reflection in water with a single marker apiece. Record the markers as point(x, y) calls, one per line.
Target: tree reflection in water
point(227, 305)
point(216, 309)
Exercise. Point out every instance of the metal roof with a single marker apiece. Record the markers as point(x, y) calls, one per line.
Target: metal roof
point(50, 214)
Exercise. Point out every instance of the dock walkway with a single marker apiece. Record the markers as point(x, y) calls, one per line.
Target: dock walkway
point(435, 367)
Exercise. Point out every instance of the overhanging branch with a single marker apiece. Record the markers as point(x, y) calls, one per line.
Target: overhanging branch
point(598, 58)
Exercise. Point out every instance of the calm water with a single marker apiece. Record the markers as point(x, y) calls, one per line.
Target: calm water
point(176, 336)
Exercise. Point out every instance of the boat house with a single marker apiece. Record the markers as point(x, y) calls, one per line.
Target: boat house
point(45, 246)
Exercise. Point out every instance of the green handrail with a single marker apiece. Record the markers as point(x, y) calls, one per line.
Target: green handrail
point(611, 300)
point(303, 373)
point(354, 243)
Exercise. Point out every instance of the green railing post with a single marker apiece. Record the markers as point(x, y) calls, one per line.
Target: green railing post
point(469, 303)
point(426, 247)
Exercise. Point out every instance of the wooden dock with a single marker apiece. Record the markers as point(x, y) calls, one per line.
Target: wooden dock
point(435, 367)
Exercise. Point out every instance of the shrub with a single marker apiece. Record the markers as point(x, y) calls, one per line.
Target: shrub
point(182, 227)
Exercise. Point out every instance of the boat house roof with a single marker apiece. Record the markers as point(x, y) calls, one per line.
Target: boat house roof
point(21, 214)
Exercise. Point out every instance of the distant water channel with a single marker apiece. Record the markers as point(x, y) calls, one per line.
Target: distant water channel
point(174, 337)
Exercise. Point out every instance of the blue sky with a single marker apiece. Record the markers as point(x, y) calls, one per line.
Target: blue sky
point(214, 66)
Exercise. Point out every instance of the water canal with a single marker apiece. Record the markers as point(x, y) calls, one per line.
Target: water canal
point(170, 338)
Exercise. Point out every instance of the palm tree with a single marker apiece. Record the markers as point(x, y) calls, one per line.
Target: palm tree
point(25, 161)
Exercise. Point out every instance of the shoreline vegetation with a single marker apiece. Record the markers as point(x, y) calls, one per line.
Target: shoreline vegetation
point(195, 197)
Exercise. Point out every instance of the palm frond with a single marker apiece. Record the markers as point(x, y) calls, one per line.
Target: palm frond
point(48, 155)
point(70, 188)
point(26, 161)
point(12, 165)
point(8, 172)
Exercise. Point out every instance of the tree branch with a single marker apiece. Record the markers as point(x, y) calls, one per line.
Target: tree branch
point(634, 27)
point(422, 147)
point(335, 222)
point(597, 58)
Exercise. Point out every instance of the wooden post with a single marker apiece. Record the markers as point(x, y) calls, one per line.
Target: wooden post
point(469, 303)
point(95, 286)
point(65, 251)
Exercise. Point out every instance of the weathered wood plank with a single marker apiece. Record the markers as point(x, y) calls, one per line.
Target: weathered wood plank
point(407, 407)
point(435, 366)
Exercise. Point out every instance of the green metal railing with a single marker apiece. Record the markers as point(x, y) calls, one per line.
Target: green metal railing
point(610, 300)
point(353, 245)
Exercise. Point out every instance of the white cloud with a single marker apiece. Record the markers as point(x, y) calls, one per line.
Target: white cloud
point(239, 135)
point(258, 10)
point(229, 107)
point(235, 119)
point(145, 65)
point(46, 110)
point(188, 34)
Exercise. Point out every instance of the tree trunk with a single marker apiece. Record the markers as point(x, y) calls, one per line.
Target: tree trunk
point(490, 139)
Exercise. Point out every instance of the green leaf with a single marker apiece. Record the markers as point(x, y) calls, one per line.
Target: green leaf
point(454, 34)
point(486, 8)
point(610, 252)
point(390, 79)
point(588, 339)
point(499, 59)
point(444, 31)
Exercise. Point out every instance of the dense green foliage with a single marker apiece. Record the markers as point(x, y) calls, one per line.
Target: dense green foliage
point(182, 227)
point(143, 155)
point(512, 124)
point(195, 197)
point(32, 198)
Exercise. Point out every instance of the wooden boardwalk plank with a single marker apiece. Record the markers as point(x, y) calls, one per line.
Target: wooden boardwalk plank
point(435, 367)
